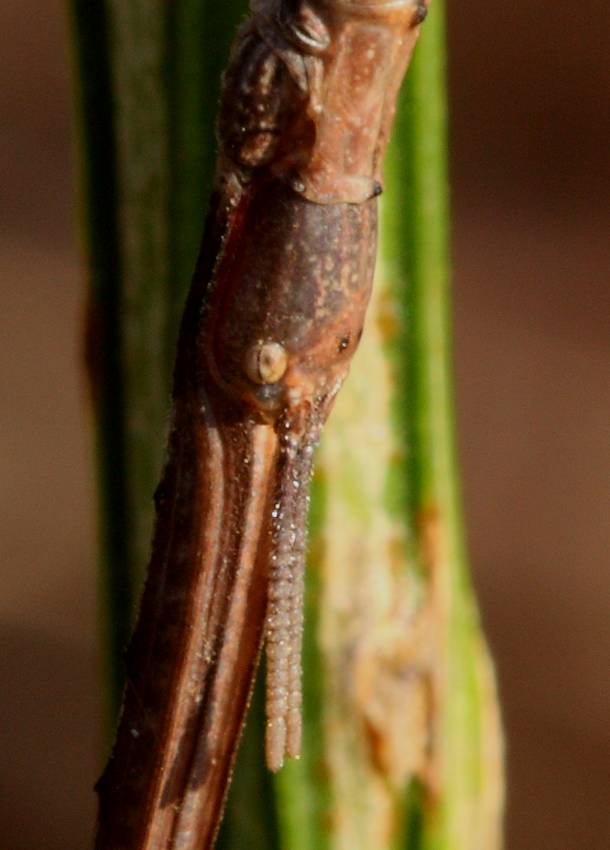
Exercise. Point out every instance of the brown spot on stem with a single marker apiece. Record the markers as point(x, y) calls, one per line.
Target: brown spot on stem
point(388, 320)
point(392, 688)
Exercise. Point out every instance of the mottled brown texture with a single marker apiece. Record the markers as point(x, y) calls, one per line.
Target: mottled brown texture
point(299, 275)
point(287, 260)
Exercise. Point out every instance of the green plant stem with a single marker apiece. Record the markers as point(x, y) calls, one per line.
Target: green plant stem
point(468, 813)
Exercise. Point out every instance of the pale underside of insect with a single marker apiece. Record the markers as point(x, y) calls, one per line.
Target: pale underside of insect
point(274, 315)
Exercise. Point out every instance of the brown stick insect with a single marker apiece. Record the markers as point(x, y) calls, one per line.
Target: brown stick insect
point(274, 315)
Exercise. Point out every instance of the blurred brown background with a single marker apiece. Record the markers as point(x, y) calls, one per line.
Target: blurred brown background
point(531, 186)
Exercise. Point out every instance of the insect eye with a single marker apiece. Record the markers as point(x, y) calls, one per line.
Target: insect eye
point(266, 362)
point(420, 14)
point(343, 343)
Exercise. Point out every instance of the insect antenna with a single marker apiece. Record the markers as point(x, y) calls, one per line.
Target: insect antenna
point(284, 623)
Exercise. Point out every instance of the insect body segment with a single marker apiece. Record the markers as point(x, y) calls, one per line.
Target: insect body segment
point(274, 315)
point(302, 128)
point(284, 321)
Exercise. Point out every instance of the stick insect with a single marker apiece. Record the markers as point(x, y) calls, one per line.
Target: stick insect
point(273, 317)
